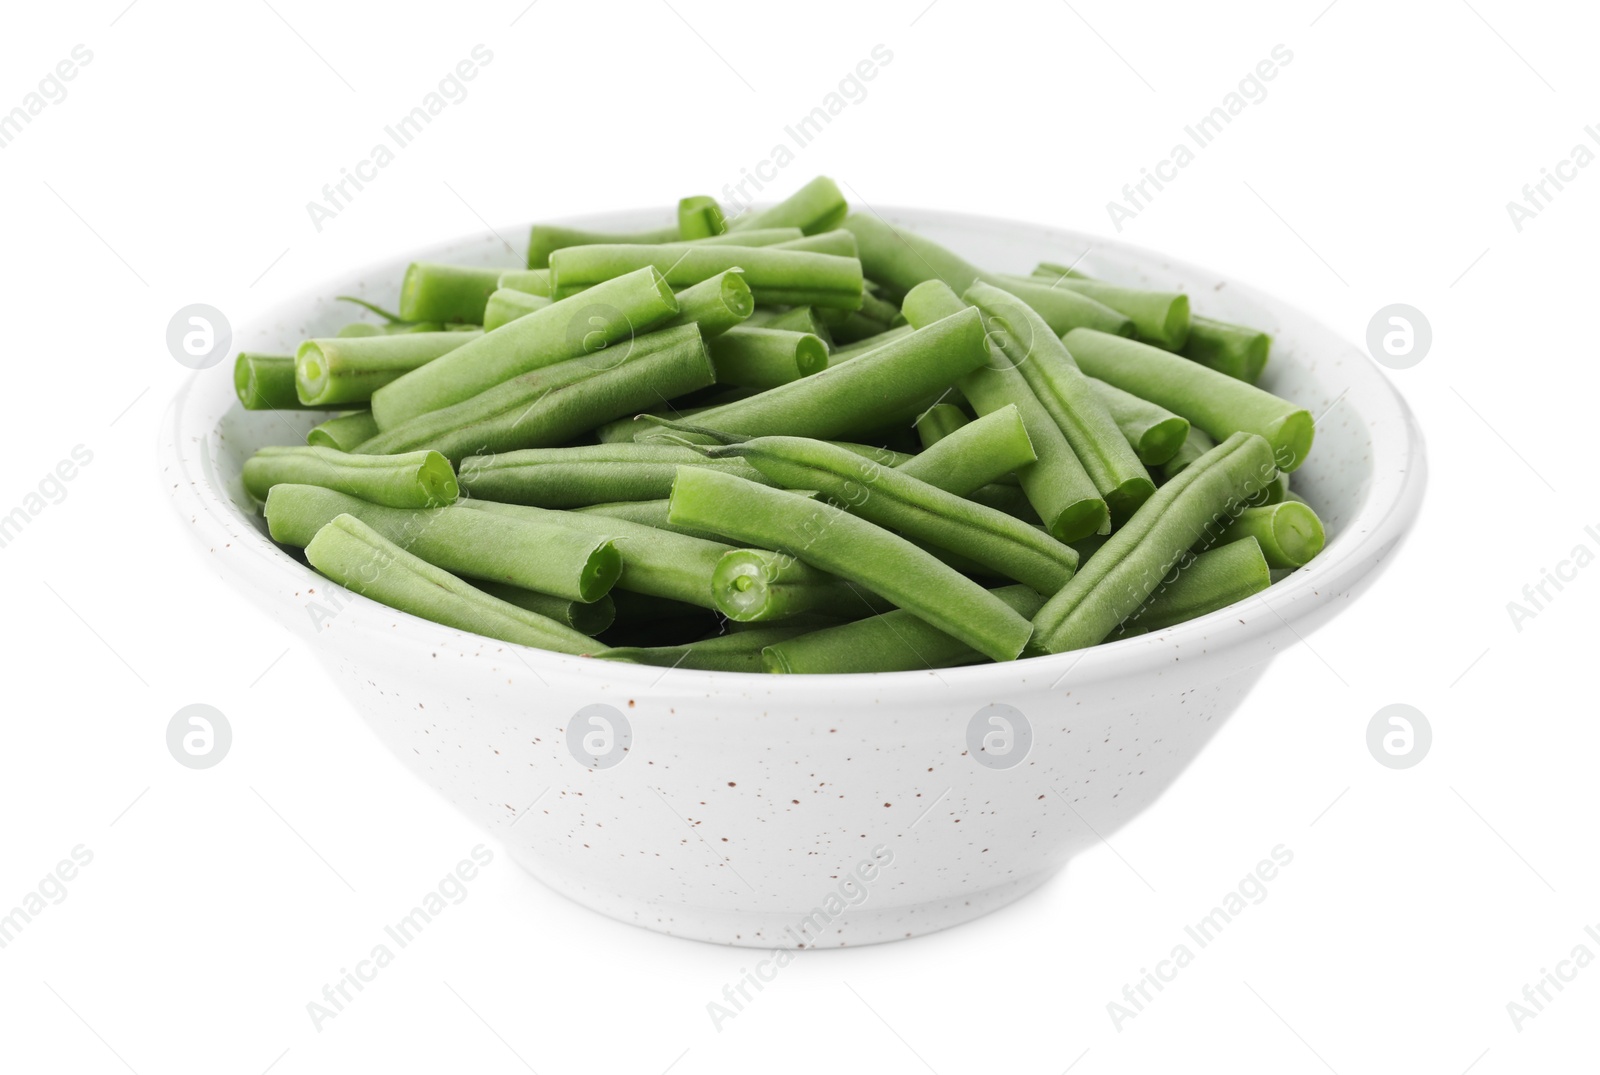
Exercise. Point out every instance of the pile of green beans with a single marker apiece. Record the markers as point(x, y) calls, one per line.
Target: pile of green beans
point(796, 440)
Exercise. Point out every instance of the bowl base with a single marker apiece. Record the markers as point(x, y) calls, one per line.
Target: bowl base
point(810, 928)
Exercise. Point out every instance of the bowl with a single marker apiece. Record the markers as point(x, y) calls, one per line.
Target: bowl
point(809, 811)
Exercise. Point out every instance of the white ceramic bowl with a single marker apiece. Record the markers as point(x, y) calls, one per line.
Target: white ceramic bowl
point(825, 810)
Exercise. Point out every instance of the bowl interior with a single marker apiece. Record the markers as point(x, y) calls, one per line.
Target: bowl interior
point(1364, 471)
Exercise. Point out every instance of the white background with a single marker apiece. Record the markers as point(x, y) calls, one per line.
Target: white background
point(1377, 170)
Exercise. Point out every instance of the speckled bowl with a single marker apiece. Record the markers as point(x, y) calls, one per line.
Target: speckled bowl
point(827, 810)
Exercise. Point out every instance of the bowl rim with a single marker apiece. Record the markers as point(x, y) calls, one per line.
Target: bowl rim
point(1390, 506)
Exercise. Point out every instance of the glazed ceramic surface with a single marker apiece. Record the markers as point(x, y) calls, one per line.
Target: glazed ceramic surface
point(808, 811)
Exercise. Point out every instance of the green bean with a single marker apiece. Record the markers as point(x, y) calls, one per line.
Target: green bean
point(1058, 486)
point(776, 276)
point(895, 641)
point(852, 548)
point(939, 421)
point(795, 319)
point(846, 399)
point(1215, 402)
point(414, 480)
point(341, 370)
point(344, 431)
point(974, 454)
point(536, 555)
point(853, 327)
point(546, 239)
point(1160, 318)
point(1210, 581)
point(919, 511)
point(265, 382)
point(903, 259)
point(765, 357)
point(699, 217)
point(750, 237)
point(358, 557)
point(738, 652)
point(837, 241)
point(1021, 334)
point(758, 585)
point(508, 304)
point(533, 281)
point(614, 311)
point(588, 618)
point(361, 328)
point(872, 308)
point(1197, 443)
point(1154, 433)
point(435, 292)
point(655, 512)
point(1235, 350)
point(1120, 577)
point(716, 304)
point(817, 206)
point(657, 562)
point(586, 474)
point(1289, 533)
point(552, 405)
point(871, 343)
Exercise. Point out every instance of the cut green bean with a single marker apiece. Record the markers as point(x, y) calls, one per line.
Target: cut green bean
point(657, 562)
point(837, 241)
point(344, 431)
point(1197, 443)
point(361, 559)
point(759, 585)
point(546, 239)
point(588, 618)
point(656, 512)
point(871, 343)
point(817, 206)
point(1023, 337)
point(349, 369)
point(919, 511)
point(1058, 486)
point(852, 548)
point(1234, 350)
point(736, 652)
point(1215, 402)
point(413, 480)
point(1154, 433)
point(715, 304)
point(904, 259)
point(939, 421)
point(435, 292)
point(895, 641)
point(266, 382)
point(975, 453)
point(699, 217)
point(765, 357)
point(616, 310)
point(586, 474)
point(751, 237)
point(776, 276)
point(1210, 581)
point(532, 281)
point(1160, 318)
point(850, 398)
point(1118, 579)
point(553, 404)
point(533, 554)
point(795, 319)
point(508, 304)
point(1289, 533)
